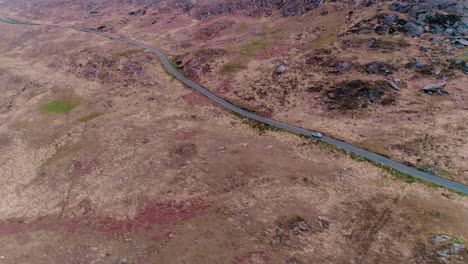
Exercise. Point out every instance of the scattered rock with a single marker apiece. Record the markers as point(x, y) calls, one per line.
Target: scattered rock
point(438, 16)
point(401, 7)
point(298, 225)
point(461, 42)
point(331, 95)
point(222, 148)
point(325, 224)
point(456, 97)
point(420, 67)
point(342, 66)
point(137, 12)
point(458, 64)
point(442, 239)
point(436, 40)
point(435, 88)
point(394, 85)
point(413, 29)
point(456, 247)
point(443, 254)
point(379, 67)
point(280, 69)
point(445, 248)
point(390, 19)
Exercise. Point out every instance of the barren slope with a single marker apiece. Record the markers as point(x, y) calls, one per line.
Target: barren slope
point(105, 159)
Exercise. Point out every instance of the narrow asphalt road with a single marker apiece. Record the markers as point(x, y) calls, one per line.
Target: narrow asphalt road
point(458, 187)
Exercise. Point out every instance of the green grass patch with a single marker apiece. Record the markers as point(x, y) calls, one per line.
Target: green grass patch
point(410, 180)
point(167, 71)
point(259, 126)
point(254, 46)
point(423, 167)
point(457, 241)
point(90, 117)
point(323, 41)
point(63, 106)
point(442, 172)
point(230, 67)
point(175, 65)
point(356, 157)
point(461, 55)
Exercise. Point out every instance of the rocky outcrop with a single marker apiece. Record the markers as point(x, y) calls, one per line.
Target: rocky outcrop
point(447, 17)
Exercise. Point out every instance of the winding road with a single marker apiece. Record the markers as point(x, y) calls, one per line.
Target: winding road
point(455, 186)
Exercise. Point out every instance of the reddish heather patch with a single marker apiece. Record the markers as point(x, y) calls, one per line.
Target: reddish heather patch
point(225, 86)
point(278, 51)
point(162, 237)
point(11, 228)
point(154, 213)
point(254, 257)
point(194, 98)
point(68, 226)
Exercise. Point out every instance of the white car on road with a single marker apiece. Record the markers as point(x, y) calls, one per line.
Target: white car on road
point(317, 135)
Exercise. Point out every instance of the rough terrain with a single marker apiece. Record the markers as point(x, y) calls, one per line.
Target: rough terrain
point(105, 159)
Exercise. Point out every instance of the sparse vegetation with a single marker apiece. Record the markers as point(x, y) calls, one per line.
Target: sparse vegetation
point(323, 41)
point(259, 126)
point(389, 43)
point(395, 173)
point(254, 46)
point(230, 67)
point(241, 28)
point(442, 172)
point(63, 106)
point(89, 117)
point(424, 167)
point(126, 53)
point(168, 72)
point(461, 55)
